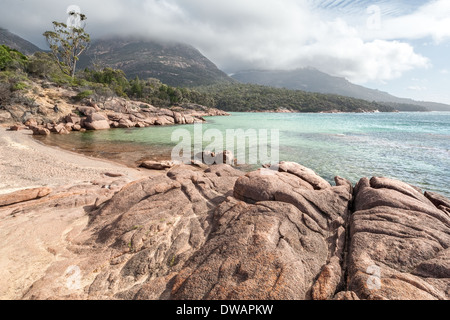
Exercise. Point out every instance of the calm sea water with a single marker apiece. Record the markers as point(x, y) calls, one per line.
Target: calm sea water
point(412, 147)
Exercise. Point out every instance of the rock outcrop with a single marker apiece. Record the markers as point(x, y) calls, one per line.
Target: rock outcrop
point(218, 233)
point(47, 106)
point(23, 195)
point(399, 243)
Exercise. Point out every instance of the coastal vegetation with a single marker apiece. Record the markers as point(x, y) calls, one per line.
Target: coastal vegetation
point(249, 97)
point(102, 84)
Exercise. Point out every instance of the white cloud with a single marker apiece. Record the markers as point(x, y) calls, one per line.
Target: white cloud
point(417, 88)
point(264, 34)
point(430, 20)
point(339, 50)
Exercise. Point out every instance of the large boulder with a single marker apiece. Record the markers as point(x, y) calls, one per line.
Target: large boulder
point(399, 243)
point(96, 121)
point(31, 123)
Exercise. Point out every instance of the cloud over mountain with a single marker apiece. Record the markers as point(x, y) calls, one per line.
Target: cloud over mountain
point(333, 36)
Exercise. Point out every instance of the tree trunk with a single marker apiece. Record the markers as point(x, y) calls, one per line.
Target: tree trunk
point(74, 68)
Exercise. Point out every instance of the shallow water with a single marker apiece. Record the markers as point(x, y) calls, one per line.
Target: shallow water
point(412, 147)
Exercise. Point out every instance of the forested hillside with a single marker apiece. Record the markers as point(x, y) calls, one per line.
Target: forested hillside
point(247, 97)
point(18, 73)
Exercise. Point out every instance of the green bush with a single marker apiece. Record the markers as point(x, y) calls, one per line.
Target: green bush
point(41, 64)
point(60, 79)
point(19, 86)
point(11, 59)
point(114, 79)
point(84, 95)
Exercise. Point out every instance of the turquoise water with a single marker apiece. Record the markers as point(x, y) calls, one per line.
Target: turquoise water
point(412, 147)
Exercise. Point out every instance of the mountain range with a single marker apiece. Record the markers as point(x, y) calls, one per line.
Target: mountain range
point(175, 64)
point(313, 80)
point(181, 65)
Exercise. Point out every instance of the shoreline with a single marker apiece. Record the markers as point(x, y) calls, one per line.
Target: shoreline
point(28, 163)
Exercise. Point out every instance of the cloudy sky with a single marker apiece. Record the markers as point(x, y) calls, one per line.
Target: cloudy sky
point(398, 46)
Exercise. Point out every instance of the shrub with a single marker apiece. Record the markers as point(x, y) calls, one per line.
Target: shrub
point(19, 86)
point(42, 65)
point(114, 79)
point(5, 93)
point(11, 59)
point(84, 95)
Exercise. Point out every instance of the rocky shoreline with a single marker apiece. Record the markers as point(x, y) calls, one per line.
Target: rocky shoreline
point(47, 108)
point(120, 113)
point(202, 233)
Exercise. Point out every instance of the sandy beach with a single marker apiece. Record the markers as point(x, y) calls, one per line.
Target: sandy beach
point(36, 233)
point(26, 163)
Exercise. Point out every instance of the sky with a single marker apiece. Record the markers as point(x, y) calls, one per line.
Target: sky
point(398, 46)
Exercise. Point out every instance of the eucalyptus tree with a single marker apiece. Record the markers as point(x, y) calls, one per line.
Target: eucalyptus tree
point(68, 41)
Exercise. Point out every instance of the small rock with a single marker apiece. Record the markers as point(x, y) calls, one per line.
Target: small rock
point(154, 165)
point(15, 128)
point(40, 131)
point(58, 128)
point(31, 123)
point(226, 157)
point(63, 131)
point(69, 126)
point(72, 119)
point(113, 175)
